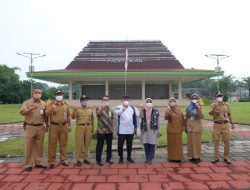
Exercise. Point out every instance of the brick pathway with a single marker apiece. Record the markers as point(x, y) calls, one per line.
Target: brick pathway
point(158, 176)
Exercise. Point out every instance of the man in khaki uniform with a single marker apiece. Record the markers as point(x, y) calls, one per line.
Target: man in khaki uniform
point(34, 126)
point(58, 114)
point(84, 129)
point(222, 119)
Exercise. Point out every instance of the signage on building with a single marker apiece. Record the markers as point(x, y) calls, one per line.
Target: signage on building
point(122, 60)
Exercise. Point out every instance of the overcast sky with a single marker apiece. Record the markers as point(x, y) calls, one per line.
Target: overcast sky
point(189, 28)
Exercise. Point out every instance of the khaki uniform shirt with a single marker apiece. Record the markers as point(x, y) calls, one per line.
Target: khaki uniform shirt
point(84, 115)
point(221, 112)
point(60, 113)
point(194, 125)
point(36, 116)
point(106, 121)
point(175, 120)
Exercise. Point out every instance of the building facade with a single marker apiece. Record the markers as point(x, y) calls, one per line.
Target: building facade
point(99, 69)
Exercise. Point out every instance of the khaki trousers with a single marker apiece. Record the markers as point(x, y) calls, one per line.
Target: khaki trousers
point(194, 144)
point(34, 138)
point(83, 139)
point(57, 134)
point(221, 131)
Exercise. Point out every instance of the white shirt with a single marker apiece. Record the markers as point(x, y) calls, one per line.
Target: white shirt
point(126, 125)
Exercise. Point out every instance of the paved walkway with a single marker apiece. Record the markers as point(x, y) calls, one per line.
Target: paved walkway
point(160, 175)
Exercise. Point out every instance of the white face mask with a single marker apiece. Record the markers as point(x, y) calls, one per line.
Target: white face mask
point(172, 104)
point(125, 103)
point(105, 103)
point(59, 98)
point(219, 99)
point(194, 101)
point(84, 103)
point(149, 105)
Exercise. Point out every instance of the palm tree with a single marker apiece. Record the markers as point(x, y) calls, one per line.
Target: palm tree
point(246, 83)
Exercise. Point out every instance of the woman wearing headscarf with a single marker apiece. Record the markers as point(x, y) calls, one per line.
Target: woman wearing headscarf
point(175, 127)
point(150, 129)
point(194, 128)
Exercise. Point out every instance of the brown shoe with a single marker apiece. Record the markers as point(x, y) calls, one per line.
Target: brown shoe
point(51, 166)
point(87, 162)
point(28, 169)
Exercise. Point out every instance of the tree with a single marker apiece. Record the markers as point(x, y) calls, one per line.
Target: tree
point(227, 86)
point(9, 85)
point(246, 84)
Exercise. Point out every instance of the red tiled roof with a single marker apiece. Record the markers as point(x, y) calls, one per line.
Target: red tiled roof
point(110, 56)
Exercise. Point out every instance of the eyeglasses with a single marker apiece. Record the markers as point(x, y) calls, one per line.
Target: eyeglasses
point(37, 93)
point(149, 101)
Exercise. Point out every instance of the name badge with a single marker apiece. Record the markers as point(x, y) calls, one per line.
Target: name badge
point(41, 111)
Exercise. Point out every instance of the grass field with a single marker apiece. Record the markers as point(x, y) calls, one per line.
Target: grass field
point(10, 113)
point(240, 110)
point(16, 147)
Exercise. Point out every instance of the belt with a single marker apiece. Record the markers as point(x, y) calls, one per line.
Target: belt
point(60, 124)
point(34, 124)
point(220, 122)
point(83, 124)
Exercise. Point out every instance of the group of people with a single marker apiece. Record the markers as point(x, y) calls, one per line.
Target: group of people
point(55, 117)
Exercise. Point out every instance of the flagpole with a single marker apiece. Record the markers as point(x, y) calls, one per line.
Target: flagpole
point(126, 65)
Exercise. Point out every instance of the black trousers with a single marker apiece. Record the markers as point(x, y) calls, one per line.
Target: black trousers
point(129, 142)
point(99, 146)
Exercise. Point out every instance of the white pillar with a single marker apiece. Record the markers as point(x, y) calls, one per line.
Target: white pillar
point(170, 90)
point(106, 87)
point(70, 90)
point(143, 89)
point(179, 90)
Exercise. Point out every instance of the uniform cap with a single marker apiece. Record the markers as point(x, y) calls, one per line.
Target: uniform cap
point(219, 94)
point(125, 97)
point(58, 92)
point(84, 97)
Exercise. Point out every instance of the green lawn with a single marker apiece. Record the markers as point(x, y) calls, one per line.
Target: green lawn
point(10, 113)
point(240, 110)
point(16, 147)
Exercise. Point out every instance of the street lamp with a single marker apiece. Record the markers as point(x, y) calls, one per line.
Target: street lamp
point(31, 56)
point(217, 57)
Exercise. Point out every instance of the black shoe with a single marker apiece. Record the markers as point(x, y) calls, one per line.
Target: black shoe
point(146, 161)
point(177, 161)
point(78, 164)
point(191, 160)
point(99, 164)
point(196, 161)
point(227, 161)
point(65, 164)
point(51, 166)
point(130, 160)
point(40, 166)
point(215, 161)
point(87, 162)
point(120, 160)
point(109, 162)
point(28, 169)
